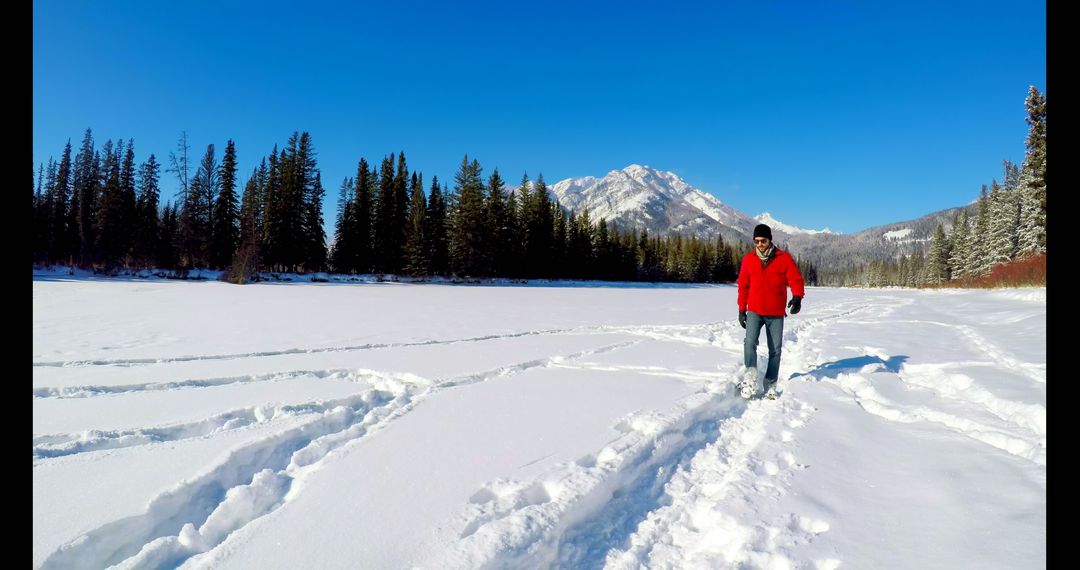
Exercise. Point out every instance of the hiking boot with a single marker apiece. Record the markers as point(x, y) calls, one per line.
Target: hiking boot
point(748, 384)
point(773, 392)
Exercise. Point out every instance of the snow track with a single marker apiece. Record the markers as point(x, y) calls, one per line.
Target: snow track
point(253, 480)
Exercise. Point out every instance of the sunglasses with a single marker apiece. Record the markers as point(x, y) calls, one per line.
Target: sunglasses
point(760, 240)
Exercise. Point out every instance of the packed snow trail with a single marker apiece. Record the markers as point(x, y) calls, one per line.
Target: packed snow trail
point(576, 428)
point(865, 461)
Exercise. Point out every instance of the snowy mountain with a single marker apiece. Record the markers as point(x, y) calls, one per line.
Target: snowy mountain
point(660, 201)
point(767, 219)
point(643, 197)
point(897, 234)
point(878, 243)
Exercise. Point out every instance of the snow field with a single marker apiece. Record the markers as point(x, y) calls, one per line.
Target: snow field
point(458, 427)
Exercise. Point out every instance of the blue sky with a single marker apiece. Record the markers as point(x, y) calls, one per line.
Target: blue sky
point(845, 114)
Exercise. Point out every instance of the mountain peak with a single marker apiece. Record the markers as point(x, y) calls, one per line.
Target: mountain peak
point(638, 172)
point(767, 219)
point(660, 201)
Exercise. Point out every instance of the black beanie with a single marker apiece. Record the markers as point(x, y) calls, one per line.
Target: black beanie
point(761, 230)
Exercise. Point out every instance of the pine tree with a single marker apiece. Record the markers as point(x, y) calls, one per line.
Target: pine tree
point(669, 257)
point(627, 256)
point(917, 270)
point(511, 252)
point(248, 258)
point(579, 252)
point(279, 211)
point(273, 228)
point(291, 237)
point(650, 265)
point(346, 198)
point(724, 269)
point(168, 255)
point(540, 232)
point(524, 225)
point(307, 197)
point(960, 259)
point(685, 257)
point(586, 237)
point(416, 246)
point(314, 234)
point(39, 219)
point(1033, 170)
point(384, 228)
point(1002, 226)
point(362, 231)
point(196, 214)
point(601, 247)
point(256, 204)
point(1013, 203)
point(499, 226)
point(938, 260)
point(148, 230)
point(62, 240)
point(628, 266)
point(83, 212)
point(110, 225)
point(1012, 175)
point(980, 262)
point(467, 228)
point(65, 246)
point(45, 224)
point(704, 262)
point(342, 254)
point(226, 230)
point(436, 231)
point(399, 232)
point(288, 241)
point(558, 260)
point(129, 205)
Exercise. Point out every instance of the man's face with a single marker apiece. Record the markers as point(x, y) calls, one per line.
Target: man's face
point(762, 244)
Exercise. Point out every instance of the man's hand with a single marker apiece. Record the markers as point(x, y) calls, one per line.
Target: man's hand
point(795, 304)
point(742, 319)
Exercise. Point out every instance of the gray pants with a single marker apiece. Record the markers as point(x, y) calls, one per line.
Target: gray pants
point(774, 333)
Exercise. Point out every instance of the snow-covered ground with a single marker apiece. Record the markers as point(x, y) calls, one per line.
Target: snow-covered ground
point(384, 425)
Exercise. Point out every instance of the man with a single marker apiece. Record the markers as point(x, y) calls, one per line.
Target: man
point(764, 276)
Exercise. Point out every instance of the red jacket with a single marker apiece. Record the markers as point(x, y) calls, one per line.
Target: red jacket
point(763, 290)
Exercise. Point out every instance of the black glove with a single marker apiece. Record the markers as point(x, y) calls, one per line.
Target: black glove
point(795, 304)
point(742, 319)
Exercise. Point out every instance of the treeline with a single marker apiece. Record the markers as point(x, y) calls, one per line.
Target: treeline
point(1007, 228)
point(480, 229)
point(100, 211)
